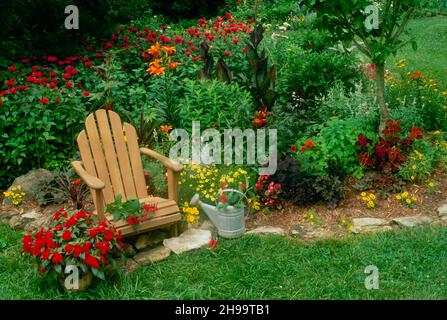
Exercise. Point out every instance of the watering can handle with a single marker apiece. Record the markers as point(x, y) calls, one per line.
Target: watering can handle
point(233, 190)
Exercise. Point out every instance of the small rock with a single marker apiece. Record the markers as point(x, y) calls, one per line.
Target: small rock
point(153, 255)
point(412, 221)
point(43, 221)
point(15, 222)
point(442, 210)
point(129, 250)
point(150, 239)
point(189, 240)
point(267, 230)
point(5, 217)
point(31, 215)
point(128, 265)
point(311, 233)
point(364, 225)
point(31, 183)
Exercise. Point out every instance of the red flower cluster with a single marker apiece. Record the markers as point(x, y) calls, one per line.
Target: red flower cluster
point(73, 237)
point(261, 118)
point(269, 191)
point(389, 152)
point(149, 210)
point(368, 71)
point(306, 145)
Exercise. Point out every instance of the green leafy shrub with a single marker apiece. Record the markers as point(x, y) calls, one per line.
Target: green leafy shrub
point(25, 26)
point(39, 133)
point(312, 74)
point(335, 143)
point(215, 105)
point(347, 104)
point(181, 9)
point(428, 153)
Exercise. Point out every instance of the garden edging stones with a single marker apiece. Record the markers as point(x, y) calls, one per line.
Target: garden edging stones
point(311, 232)
point(442, 210)
point(413, 221)
point(364, 225)
point(152, 255)
point(189, 240)
point(150, 239)
point(267, 230)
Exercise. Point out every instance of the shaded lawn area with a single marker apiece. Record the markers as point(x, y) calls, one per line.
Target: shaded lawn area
point(431, 55)
point(411, 265)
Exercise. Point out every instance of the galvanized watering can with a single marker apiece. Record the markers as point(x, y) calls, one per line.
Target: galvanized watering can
point(229, 221)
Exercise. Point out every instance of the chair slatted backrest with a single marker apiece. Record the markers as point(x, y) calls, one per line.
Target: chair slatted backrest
point(109, 150)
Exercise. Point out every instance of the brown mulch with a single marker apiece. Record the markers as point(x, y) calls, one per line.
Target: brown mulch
point(352, 206)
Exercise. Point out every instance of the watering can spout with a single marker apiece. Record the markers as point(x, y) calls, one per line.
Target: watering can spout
point(211, 211)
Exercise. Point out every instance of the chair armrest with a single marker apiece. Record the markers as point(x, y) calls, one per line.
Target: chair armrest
point(91, 181)
point(168, 163)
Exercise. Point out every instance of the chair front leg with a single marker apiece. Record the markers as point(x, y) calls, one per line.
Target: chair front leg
point(100, 210)
point(173, 185)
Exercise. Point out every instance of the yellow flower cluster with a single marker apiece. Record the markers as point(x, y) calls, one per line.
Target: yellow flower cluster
point(312, 217)
point(254, 204)
point(416, 167)
point(203, 179)
point(209, 180)
point(191, 213)
point(434, 95)
point(15, 195)
point(369, 200)
point(406, 199)
point(345, 223)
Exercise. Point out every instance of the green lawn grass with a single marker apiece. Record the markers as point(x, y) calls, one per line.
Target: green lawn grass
point(411, 265)
point(431, 56)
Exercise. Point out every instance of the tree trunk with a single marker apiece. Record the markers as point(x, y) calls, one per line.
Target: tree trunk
point(380, 95)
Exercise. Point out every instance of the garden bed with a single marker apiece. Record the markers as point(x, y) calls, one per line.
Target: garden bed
point(351, 206)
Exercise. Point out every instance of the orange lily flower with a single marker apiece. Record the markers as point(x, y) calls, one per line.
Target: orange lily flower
point(173, 65)
point(153, 50)
point(166, 128)
point(169, 50)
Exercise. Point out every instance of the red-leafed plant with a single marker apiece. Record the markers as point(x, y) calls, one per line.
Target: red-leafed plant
point(74, 240)
point(390, 151)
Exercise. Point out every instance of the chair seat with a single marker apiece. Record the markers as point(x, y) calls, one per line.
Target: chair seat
point(167, 213)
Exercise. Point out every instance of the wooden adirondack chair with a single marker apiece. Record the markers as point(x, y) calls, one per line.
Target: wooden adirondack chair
point(111, 165)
